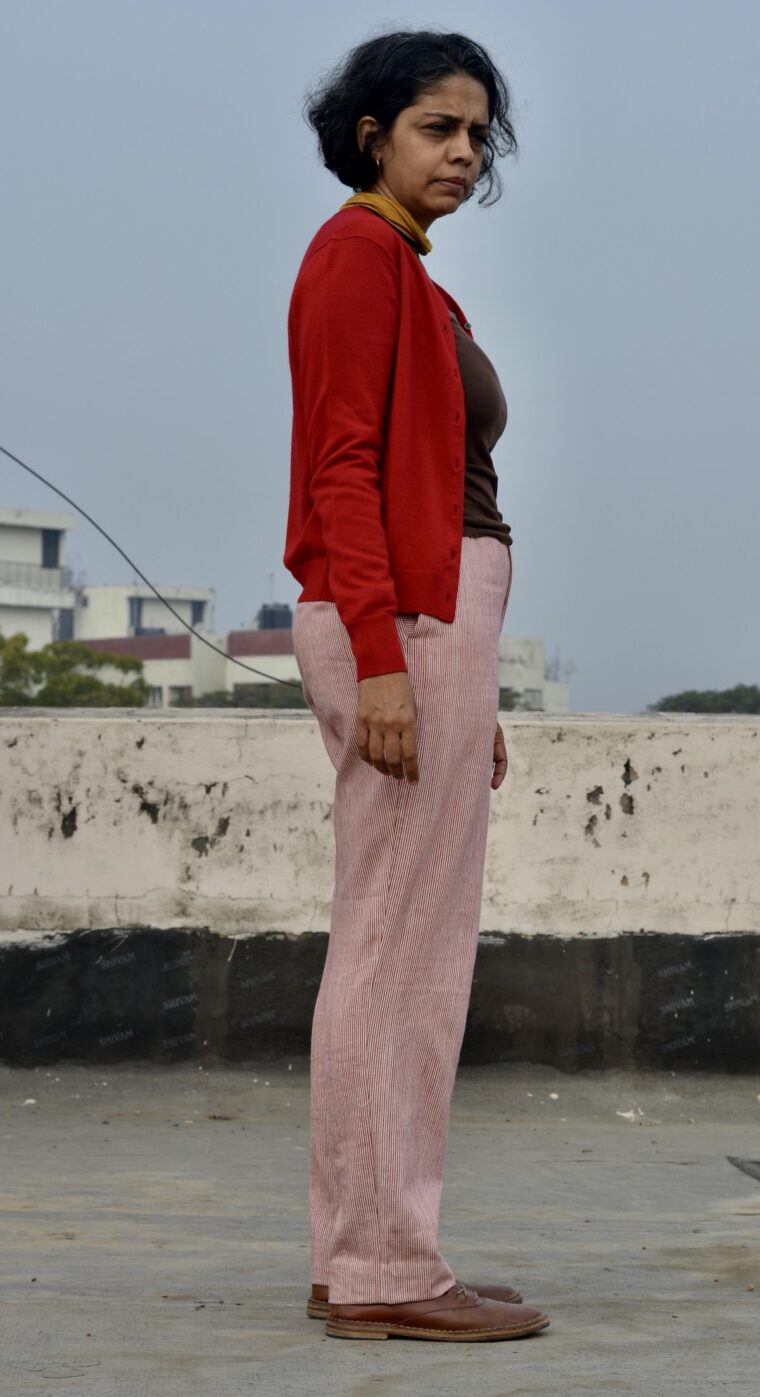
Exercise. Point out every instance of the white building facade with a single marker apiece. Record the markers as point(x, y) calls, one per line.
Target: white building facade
point(36, 587)
point(122, 610)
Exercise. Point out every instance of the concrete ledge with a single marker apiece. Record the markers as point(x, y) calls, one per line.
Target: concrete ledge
point(166, 880)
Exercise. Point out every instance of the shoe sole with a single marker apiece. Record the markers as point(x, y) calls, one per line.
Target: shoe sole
point(381, 1329)
point(320, 1309)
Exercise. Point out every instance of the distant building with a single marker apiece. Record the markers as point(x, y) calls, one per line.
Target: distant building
point(36, 587)
point(522, 667)
point(116, 609)
point(130, 620)
point(274, 615)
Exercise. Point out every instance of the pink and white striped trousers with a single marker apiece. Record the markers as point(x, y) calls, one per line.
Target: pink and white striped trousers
point(392, 1005)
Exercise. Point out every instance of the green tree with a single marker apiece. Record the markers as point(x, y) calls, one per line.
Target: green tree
point(743, 698)
point(63, 674)
point(252, 696)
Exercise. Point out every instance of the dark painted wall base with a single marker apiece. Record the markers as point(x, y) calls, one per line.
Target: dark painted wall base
point(637, 1000)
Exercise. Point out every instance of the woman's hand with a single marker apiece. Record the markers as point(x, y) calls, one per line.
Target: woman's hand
point(386, 724)
point(499, 759)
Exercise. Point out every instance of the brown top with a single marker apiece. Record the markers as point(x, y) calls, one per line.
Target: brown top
point(486, 418)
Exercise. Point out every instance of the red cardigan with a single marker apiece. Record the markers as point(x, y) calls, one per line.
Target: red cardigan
point(378, 435)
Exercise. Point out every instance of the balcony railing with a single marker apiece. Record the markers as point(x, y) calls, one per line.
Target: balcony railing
point(32, 575)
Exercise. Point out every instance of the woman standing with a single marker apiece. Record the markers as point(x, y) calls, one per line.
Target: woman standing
point(405, 565)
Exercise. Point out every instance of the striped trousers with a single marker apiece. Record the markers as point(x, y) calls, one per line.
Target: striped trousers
point(392, 1005)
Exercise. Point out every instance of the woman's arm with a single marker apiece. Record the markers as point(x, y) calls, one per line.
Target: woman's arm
point(343, 330)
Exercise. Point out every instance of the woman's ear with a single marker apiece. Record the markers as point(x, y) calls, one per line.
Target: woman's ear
point(367, 135)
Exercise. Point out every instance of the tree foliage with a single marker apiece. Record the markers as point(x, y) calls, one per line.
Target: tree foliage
point(64, 674)
point(743, 698)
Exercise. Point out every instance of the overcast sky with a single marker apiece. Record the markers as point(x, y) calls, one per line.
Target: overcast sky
point(160, 187)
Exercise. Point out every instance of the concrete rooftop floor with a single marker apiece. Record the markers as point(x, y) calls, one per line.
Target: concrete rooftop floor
point(155, 1234)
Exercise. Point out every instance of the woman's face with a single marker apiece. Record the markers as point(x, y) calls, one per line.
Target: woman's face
point(440, 136)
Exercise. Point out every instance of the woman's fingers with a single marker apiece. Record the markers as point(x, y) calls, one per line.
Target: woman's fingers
point(376, 746)
point(386, 725)
point(409, 752)
point(393, 752)
point(500, 761)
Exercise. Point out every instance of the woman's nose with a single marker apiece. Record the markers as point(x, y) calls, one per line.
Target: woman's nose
point(461, 148)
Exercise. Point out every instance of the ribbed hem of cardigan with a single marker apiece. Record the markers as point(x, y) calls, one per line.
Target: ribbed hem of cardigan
point(376, 646)
point(374, 638)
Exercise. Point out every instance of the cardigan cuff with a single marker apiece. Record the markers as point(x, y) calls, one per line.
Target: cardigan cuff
point(376, 646)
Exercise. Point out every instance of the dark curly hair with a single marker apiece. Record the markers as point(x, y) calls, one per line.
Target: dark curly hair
point(389, 72)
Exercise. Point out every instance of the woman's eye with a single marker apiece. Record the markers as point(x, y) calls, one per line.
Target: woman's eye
point(473, 135)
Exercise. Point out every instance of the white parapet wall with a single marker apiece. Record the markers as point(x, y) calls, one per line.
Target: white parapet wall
point(606, 824)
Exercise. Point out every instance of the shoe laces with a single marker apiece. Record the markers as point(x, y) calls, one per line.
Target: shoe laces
point(462, 1291)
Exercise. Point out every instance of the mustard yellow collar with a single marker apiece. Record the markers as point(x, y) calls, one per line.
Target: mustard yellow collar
point(395, 213)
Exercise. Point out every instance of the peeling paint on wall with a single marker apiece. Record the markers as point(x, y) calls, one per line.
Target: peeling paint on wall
point(101, 818)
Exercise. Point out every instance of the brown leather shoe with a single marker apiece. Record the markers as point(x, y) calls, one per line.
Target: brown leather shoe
point(317, 1305)
point(459, 1315)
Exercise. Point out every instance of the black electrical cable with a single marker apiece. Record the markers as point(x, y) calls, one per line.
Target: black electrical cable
point(292, 682)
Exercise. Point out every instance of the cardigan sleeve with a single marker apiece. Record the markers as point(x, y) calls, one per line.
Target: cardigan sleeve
point(343, 330)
